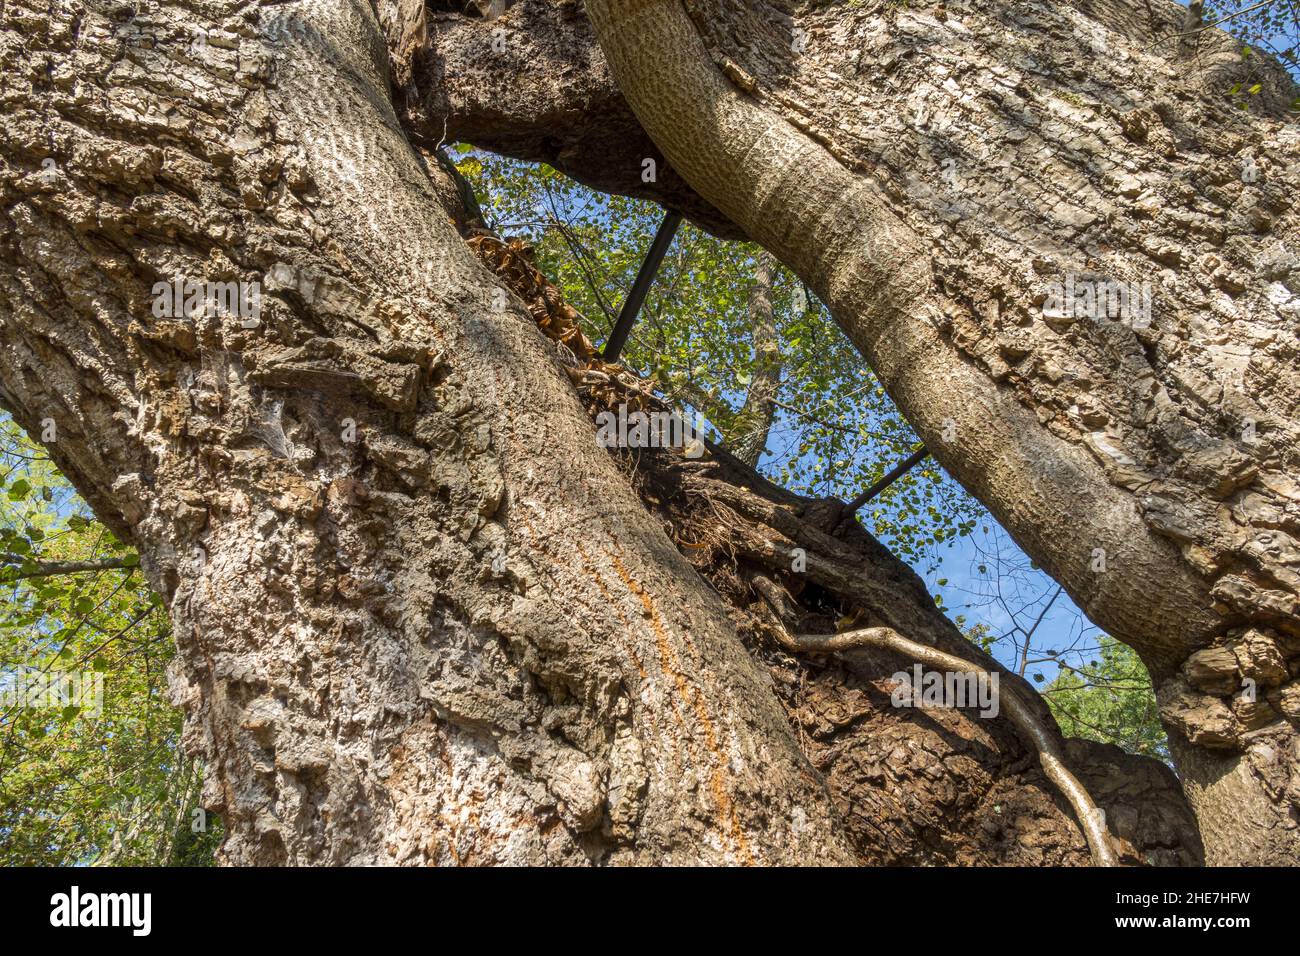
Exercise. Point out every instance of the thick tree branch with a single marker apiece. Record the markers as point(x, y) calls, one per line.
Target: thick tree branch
point(534, 85)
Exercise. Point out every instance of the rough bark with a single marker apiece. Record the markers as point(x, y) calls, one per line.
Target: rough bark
point(531, 84)
point(420, 615)
point(928, 173)
point(920, 787)
point(1105, 49)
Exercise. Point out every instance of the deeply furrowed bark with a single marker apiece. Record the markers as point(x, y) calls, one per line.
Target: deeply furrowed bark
point(420, 615)
point(929, 176)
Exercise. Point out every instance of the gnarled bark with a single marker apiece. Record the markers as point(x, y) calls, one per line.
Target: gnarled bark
point(421, 616)
point(533, 85)
point(914, 786)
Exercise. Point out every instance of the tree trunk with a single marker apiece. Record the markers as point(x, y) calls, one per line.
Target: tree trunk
point(422, 617)
point(931, 176)
point(754, 420)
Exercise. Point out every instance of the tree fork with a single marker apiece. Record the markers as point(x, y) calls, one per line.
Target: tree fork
point(726, 528)
point(430, 622)
point(410, 698)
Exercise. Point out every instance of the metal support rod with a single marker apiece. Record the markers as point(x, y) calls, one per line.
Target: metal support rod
point(636, 298)
point(898, 471)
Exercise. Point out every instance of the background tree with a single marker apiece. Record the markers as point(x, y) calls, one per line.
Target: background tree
point(112, 786)
point(833, 431)
point(1109, 699)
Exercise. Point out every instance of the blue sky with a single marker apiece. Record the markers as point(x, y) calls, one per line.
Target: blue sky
point(987, 579)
